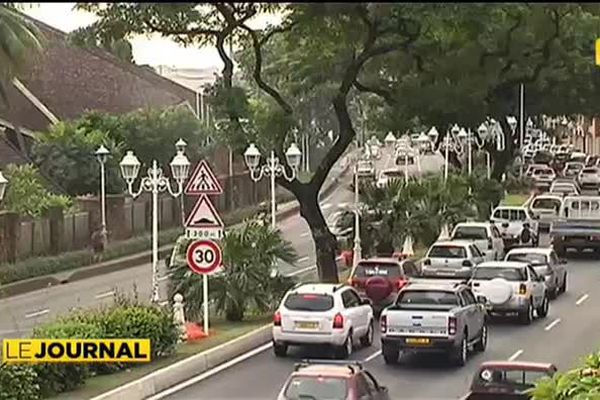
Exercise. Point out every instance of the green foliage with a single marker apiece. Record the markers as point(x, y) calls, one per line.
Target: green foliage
point(18, 382)
point(66, 153)
point(245, 282)
point(20, 42)
point(27, 195)
point(89, 39)
point(582, 383)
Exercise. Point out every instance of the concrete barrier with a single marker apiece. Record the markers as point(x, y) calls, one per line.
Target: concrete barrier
point(185, 369)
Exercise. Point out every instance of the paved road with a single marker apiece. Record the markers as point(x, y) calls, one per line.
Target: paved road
point(19, 314)
point(569, 332)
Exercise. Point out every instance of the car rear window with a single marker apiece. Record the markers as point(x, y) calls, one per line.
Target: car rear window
point(316, 387)
point(590, 171)
point(528, 257)
point(510, 274)
point(447, 252)
point(546, 204)
point(517, 379)
point(427, 297)
point(368, 269)
point(308, 302)
point(470, 232)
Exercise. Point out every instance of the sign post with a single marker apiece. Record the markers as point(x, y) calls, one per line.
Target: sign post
point(204, 224)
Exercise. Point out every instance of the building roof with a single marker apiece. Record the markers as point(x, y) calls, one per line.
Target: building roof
point(68, 81)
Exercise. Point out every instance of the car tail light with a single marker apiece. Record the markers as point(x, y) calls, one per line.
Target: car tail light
point(338, 321)
point(522, 288)
point(427, 261)
point(277, 319)
point(490, 244)
point(357, 283)
point(400, 283)
point(383, 323)
point(467, 263)
point(452, 326)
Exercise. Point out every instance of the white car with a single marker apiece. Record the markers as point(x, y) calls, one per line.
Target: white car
point(322, 314)
point(572, 169)
point(564, 188)
point(546, 207)
point(589, 178)
point(389, 175)
point(510, 220)
point(484, 235)
point(511, 287)
point(452, 259)
point(543, 176)
point(546, 263)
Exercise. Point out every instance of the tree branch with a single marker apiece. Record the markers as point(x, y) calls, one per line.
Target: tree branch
point(505, 51)
point(383, 93)
point(166, 31)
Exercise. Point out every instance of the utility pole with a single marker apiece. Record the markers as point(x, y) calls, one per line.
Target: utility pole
point(521, 123)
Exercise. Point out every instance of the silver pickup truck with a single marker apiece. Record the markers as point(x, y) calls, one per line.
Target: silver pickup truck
point(578, 225)
point(434, 317)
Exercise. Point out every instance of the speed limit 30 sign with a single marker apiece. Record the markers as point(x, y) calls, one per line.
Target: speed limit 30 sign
point(204, 256)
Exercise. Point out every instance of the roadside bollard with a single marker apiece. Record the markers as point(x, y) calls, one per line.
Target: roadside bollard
point(179, 316)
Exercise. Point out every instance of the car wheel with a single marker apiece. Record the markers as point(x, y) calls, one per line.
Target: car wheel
point(345, 350)
point(525, 317)
point(483, 338)
point(563, 287)
point(554, 293)
point(367, 340)
point(542, 310)
point(280, 350)
point(390, 354)
point(460, 353)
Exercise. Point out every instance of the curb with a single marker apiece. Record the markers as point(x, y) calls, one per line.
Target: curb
point(134, 260)
point(162, 379)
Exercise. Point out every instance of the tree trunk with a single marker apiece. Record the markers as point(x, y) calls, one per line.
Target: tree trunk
point(325, 242)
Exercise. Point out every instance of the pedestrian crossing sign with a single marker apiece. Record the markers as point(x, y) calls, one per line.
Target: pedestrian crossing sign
point(203, 181)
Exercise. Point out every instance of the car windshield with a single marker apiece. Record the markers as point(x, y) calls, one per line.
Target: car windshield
point(470, 232)
point(409, 298)
point(546, 204)
point(528, 257)
point(308, 302)
point(509, 273)
point(316, 388)
point(440, 251)
point(519, 380)
point(367, 269)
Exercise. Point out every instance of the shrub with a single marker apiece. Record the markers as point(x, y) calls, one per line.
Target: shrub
point(18, 382)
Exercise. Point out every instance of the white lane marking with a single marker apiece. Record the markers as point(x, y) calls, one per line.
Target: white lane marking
point(516, 355)
point(582, 299)
point(305, 234)
point(105, 294)
point(210, 372)
point(372, 356)
point(552, 324)
point(164, 278)
point(326, 206)
point(301, 271)
point(37, 313)
point(301, 260)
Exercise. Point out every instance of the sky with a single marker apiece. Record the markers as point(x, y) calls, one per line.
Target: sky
point(152, 50)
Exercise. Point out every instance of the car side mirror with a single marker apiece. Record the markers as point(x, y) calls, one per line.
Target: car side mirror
point(481, 299)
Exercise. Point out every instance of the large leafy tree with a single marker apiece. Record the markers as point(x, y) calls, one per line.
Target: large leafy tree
point(444, 63)
point(89, 38)
point(19, 41)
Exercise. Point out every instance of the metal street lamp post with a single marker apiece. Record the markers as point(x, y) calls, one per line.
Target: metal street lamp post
point(357, 251)
point(272, 169)
point(155, 183)
point(455, 130)
point(102, 155)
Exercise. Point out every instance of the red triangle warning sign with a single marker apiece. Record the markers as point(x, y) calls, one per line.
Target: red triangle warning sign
point(203, 181)
point(204, 215)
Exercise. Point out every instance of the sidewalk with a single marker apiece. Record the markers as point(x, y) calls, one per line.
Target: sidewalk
point(284, 211)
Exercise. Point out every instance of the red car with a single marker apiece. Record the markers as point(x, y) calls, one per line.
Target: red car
point(333, 381)
point(380, 279)
point(507, 380)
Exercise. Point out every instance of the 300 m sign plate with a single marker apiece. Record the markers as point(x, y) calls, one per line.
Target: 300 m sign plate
point(204, 256)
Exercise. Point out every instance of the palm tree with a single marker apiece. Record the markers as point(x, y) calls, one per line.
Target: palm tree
point(19, 40)
point(246, 281)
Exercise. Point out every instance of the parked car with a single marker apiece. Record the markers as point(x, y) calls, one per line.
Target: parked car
point(572, 169)
point(547, 264)
point(453, 259)
point(322, 314)
point(507, 379)
point(578, 226)
point(511, 288)
point(380, 279)
point(320, 379)
point(450, 320)
point(511, 220)
point(484, 235)
point(589, 178)
point(545, 208)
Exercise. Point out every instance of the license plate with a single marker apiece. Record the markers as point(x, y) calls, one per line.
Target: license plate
point(307, 325)
point(421, 341)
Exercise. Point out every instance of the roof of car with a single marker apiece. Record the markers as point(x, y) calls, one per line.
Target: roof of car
point(527, 365)
point(455, 243)
point(381, 260)
point(474, 223)
point(501, 207)
point(502, 264)
point(531, 250)
point(338, 371)
point(318, 288)
point(547, 196)
point(435, 285)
